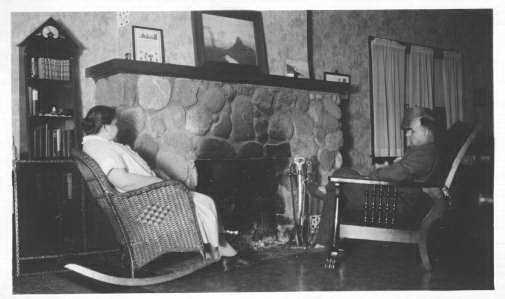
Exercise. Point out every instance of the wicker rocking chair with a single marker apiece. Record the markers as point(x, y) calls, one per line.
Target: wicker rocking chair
point(147, 222)
point(379, 208)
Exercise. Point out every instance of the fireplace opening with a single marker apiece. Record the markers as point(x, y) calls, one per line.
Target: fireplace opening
point(245, 192)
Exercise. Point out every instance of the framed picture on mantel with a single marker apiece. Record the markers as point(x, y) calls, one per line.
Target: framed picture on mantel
point(229, 37)
point(148, 44)
point(336, 77)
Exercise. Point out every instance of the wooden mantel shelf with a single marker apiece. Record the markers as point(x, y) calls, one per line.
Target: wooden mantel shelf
point(223, 72)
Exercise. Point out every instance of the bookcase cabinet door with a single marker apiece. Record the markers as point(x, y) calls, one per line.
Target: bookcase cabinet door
point(56, 221)
point(49, 209)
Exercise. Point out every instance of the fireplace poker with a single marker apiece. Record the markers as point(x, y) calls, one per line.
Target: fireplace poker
point(335, 253)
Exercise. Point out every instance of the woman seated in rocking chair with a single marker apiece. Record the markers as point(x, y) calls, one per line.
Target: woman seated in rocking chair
point(126, 171)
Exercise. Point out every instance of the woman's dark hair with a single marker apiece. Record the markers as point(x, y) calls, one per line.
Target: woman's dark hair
point(97, 117)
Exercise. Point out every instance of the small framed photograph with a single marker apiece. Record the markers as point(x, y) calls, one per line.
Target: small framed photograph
point(336, 77)
point(148, 44)
point(229, 37)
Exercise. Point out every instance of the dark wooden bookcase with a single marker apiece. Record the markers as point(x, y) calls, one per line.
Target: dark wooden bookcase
point(52, 220)
point(50, 103)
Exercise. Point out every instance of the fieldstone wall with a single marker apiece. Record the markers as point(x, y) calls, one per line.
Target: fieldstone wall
point(172, 122)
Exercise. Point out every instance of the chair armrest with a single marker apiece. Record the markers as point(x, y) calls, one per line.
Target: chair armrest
point(335, 179)
point(152, 187)
point(367, 181)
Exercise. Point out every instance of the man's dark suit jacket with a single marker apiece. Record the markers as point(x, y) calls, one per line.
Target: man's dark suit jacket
point(419, 164)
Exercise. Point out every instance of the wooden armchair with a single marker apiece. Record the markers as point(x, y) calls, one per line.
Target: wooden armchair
point(379, 212)
point(147, 222)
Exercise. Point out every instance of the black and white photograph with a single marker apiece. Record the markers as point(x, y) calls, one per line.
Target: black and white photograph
point(253, 150)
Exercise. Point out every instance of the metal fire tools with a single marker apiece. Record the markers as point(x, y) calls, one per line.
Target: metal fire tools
point(303, 168)
point(335, 253)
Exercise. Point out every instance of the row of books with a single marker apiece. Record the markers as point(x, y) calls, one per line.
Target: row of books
point(52, 143)
point(49, 68)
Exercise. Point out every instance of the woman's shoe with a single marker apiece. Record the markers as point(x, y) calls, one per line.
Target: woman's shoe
point(233, 262)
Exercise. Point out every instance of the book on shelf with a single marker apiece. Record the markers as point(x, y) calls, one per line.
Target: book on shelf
point(54, 143)
point(47, 144)
point(33, 67)
point(29, 95)
point(68, 180)
point(33, 100)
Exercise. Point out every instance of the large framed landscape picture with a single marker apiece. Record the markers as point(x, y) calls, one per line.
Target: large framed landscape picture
point(234, 37)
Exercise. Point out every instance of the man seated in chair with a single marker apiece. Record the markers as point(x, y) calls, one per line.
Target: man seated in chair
point(420, 164)
point(126, 171)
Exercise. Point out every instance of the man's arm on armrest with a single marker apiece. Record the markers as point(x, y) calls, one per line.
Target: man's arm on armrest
point(394, 172)
point(123, 180)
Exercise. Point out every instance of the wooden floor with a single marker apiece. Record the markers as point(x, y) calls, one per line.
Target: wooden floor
point(463, 263)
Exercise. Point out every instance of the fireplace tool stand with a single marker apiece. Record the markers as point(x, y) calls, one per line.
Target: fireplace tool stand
point(302, 170)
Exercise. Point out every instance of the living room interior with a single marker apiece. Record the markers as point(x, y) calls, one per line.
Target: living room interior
point(266, 118)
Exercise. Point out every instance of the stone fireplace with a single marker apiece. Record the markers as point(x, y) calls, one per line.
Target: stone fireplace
point(242, 134)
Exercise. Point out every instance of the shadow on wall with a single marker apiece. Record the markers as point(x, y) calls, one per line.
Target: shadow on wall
point(348, 143)
point(127, 133)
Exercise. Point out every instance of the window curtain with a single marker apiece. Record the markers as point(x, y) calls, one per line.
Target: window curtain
point(419, 89)
point(438, 95)
point(452, 86)
point(388, 92)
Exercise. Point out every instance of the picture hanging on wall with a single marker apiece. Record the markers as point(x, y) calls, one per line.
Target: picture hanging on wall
point(148, 44)
point(339, 78)
point(229, 37)
point(336, 77)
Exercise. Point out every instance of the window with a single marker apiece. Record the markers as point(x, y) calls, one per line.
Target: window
point(402, 76)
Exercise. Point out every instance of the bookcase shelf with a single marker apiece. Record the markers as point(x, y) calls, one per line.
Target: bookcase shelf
point(36, 82)
point(43, 117)
point(56, 161)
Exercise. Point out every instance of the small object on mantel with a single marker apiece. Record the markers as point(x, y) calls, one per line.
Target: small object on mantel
point(485, 200)
point(230, 59)
point(291, 71)
point(231, 232)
